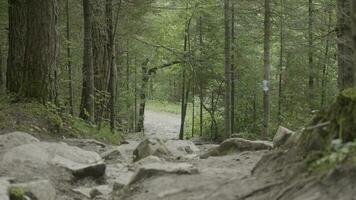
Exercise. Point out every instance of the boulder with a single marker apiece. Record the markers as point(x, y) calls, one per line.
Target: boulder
point(157, 169)
point(4, 187)
point(42, 155)
point(112, 155)
point(181, 148)
point(236, 145)
point(149, 160)
point(281, 137)
point(15, 139)
point(119, 174)
point(102, 191)
point(36, 190)
point(149, 147)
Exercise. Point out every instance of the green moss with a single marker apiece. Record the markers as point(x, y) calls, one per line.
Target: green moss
point(342, 118)
point(46, 122)
point(17, 193)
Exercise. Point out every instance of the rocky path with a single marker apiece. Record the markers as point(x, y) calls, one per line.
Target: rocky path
point(150, 168)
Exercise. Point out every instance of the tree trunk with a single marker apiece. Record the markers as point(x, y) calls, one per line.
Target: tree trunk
point(39, 81)
point(142, 106)
point(281, 56)
point(2, 72)
point(346, 69)
point(17, 43)
point(353, 25)
point(326, 60)
point(201, 85)
point(87, 105)
point(312, 75)
point(69, 61)
point(266, 60)
point(227, 97)
point(112, 66)
point(233, 75)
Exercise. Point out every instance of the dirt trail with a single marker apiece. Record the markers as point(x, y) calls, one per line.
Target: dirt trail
point(162, 125)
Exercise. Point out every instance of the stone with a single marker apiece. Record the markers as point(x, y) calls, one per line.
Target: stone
point(281, 136)
point(44, 155)
point(38, 190)
point(180, 148)
point(149, 147)
point(112, 154)
point(102, 191)
point(157, 169)
point(15, 139)
point(4, 188)
point(119, 174)
point(236, 145)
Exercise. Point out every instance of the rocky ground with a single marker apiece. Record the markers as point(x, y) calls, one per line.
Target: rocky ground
point(155, 167)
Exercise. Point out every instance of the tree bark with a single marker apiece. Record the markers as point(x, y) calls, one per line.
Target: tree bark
point(69, 61)
point(233, 69)
point(346, 69)
point(266, 60)
point(39, 81)
point(17, 43)
point(312, 75)
point(2, 72)
point(87, 105)
point(227, 97)
point(281, 56)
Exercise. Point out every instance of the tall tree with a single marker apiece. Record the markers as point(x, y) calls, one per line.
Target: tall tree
point(353, 23)
point(227, 97)
point(69, 60)
point(346, 69)
point(266, 61)
point(88, 90)
point(2, 72)
point(17, 42)
point(311, 81)
point(40, 66)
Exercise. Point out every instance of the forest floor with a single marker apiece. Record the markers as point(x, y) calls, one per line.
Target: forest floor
point(61, 171)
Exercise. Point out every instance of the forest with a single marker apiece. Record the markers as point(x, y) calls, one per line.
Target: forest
point(175, 90)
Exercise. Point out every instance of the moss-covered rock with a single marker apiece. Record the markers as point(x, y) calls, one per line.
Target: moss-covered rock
point(337, 122)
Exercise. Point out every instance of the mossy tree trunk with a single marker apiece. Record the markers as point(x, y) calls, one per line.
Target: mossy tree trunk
point(39, 78)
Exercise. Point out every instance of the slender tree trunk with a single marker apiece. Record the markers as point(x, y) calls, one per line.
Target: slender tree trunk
point(69, 61)
point(311, 83)
point(87, 105)
point(181, 131)
point(326, 60)
point(266, 60)
point(345, 52)
point(111, 64)
point(142, 106)
point(233, 75)
point(227, 97)
point(201, 85)
point(17, 42)
point(39, 81)
point(2, 72)
point(193, 107)
point(281, 56)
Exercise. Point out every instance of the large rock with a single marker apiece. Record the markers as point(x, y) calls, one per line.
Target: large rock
point(98, 192)
point(42, 155)
point(157, 169)
point(181, 148)
point(119, 174)
point(15, 139)
point(150, 147)
point(236, 145)
point(4, 187)
point(36, 190)
point(281, 137)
